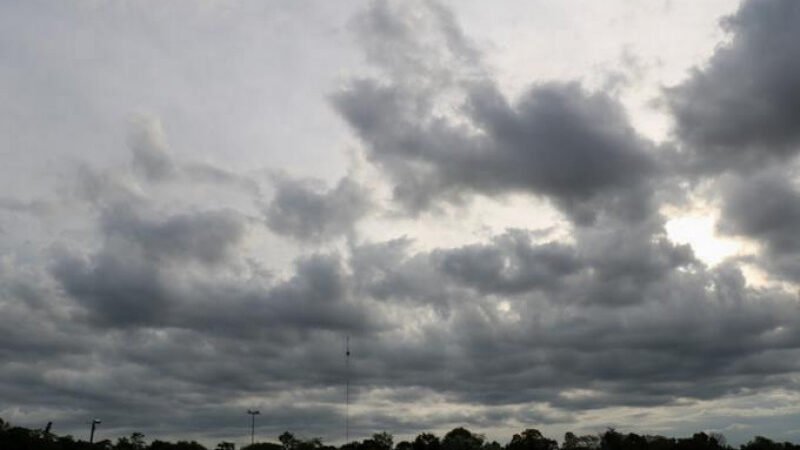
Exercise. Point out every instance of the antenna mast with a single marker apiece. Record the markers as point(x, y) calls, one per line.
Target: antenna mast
point(347, 390)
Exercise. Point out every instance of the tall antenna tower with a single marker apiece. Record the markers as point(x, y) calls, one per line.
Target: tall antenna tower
point(347, 390)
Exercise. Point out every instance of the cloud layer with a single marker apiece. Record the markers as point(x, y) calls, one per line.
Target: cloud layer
point(168, 294)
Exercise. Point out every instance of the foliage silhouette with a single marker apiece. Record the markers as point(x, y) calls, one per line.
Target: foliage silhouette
point(19, 438)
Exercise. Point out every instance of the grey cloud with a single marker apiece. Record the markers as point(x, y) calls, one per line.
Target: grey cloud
point(765, 207)
point(510, 264)
point(557, 140)
point(152, 160)
point(645, 354)
point(154, 322)
point(132, 397)
point(740, 109)
point(35, 207)
point(303, 210)
point(562, 141)
point(386, 271)
point(417, 43)
point(626, 264)
point(243, 338)
point(184, 270)
point(468, 348)
point(605, 266)
point(209, 237)
point(125, 282)
point(102, 189)
point(116, 290)
point(691, 333)
point(151, 156)
point(34, 316)
point(661, 340)
point(316, 297)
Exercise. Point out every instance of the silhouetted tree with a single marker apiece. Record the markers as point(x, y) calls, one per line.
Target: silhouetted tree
point(611, 440)
point(494, 445)
point(19, 438)
point(180, 445)
point(310, 444)
point(105, 444)
point(263, 446)
point(383, 440)
point(288, 441)
point(762, 443)
point(426, 441)
point(633, 441)
point(660, 443)
point(586, 442)
point(701, 441)
point(134, 442)
point(722, 441)
point(462, 439)
point(531, 439)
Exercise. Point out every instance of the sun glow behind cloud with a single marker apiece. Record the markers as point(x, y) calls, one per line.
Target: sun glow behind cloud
point(697, 230)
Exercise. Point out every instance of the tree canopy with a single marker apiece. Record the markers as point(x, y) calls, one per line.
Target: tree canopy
point(20, 438)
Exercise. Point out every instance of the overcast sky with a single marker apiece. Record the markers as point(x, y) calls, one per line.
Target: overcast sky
point(564, 215)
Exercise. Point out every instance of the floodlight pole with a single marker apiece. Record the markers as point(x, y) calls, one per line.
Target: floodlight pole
point(95, 422)
point(253, 414)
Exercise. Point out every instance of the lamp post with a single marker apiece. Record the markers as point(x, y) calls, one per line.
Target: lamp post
point(95, 422)
point(253, 414)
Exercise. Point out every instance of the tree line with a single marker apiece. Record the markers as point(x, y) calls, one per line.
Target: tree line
point(20, 438)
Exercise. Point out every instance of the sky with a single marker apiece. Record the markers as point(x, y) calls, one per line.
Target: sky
point(562, 215)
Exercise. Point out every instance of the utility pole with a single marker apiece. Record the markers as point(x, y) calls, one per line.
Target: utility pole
point(253, 414)
point(95, 422)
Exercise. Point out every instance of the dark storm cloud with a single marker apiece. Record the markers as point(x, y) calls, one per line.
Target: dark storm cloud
point(510, 264)
point(386, 271)
point(200, 359)
point(690, 333)
point(560, 140)
point(604, 267)
point(124, 285)
point(303, 210)
point(32, 314)
point(741, 108)
point(698, 335)
point(315, 297)
point(184, 267)
point(765, 207)
point(107, 380)
point(557, 140)
point(209, 237)
point(116, 290)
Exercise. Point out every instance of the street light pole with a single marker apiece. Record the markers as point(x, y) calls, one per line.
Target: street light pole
point(95, 422)
point(253, 414)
